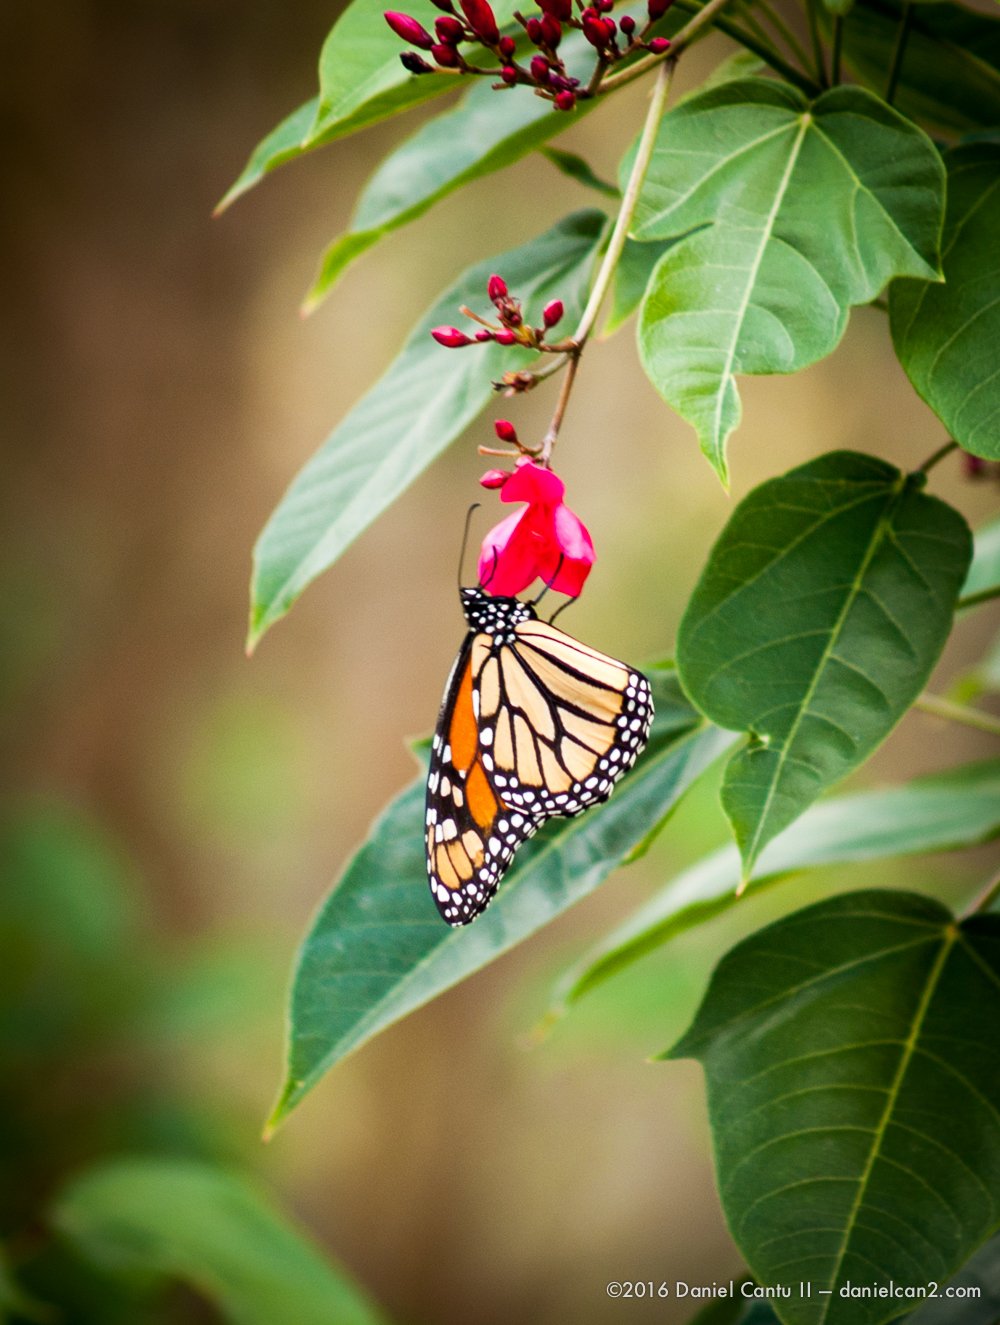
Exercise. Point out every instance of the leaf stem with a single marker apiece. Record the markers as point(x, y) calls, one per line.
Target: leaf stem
point(939, 707)
point(938, 455)
point(817, 43)
point(902, 37)
point(838, 46)
point(984, 899)
point(616, 243)
point(779, 24)
point(981, 596)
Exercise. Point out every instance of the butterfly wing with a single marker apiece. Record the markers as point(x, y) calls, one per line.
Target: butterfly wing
point(563, 721)
point(471, 832)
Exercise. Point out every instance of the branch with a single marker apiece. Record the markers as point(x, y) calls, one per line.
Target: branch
point(962, 713)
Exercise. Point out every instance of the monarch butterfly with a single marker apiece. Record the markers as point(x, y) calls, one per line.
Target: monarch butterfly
point(533, 724)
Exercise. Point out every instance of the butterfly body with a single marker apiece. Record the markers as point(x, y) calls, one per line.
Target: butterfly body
point(533, 725)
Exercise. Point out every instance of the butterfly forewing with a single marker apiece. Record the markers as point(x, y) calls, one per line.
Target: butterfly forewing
point(533, 724)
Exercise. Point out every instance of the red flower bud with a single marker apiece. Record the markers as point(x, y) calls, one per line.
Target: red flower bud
point(496, 288)
point(446, 5)
point(552, 312)
point(415, 64)
point(974, 466)
point(504, 337)
point(657, 8)
point(509, 75)
point(483, 336)
point(494, 478)
point(450, 337)
point(533, 28)
point(540, 69)
point(482, 20)
point(446, 56)
point(449, 29)
point(560, 9)
point(597, 31)
point(658, 45)
point(565, 101)
point(505, 430)
point(506, 46)
point(409, 29)
point(604, 6)
point(627, 24)
point(551, 31)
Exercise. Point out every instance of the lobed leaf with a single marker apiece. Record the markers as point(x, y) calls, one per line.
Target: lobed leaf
point(950, 74)
point(407, 418)
point(943, 812)
point(825, 603)
point(214, 1231)
point(946, 336)
point(378, 949)
point(793, 212)
point(854, 1098)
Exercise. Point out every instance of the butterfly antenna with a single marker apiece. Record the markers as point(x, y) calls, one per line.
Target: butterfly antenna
point(562, 608)
point(550, 583)
point(493, 570)
point(465, 539)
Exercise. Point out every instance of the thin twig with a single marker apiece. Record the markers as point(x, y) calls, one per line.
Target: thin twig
point(838, 46)
point(982, 596)
point(962, 713)
point(616, 243)
point(938, 455)
point(902, 37)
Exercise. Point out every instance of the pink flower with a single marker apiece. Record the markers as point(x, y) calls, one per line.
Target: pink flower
point(544, 540)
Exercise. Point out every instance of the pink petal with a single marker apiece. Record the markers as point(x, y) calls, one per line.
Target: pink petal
point(508, 559)
point(530, 482)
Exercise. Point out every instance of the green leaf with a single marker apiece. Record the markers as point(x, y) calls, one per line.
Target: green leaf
point(635, 266)
point(282, 144)
point(361, 78)
point(15, 1303)
point(460, 145)
point(944, 812)
point(793, 212)
point(984, 573)
point(378, 948)
point(823, 607)
point(854, 1098)
point(214, 1231)
point(946, 336)
point(426, 398)
point(575, 167)
point(950, 75)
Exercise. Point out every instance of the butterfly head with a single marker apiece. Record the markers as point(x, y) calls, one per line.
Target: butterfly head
point(494, 616)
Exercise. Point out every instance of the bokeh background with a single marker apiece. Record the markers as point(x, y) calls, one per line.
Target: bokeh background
point(173, 812)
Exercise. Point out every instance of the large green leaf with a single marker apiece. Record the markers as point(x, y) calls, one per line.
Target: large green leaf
point(950, 75)
point(946, 336)
point(458, 146)
point(854, 1098)
point(793, 212)
point(960, 808)
point(215, 1232)
point(283, 143)
point(823, 607)
point(427, 396)
point(378, 948)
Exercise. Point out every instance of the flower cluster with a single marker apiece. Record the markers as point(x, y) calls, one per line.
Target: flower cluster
point(545, 70)
point(543, 540)
point(510, 327)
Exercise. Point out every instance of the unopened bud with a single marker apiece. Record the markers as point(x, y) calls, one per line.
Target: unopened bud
point(505, 430)
point(627, 24)
point(552, 312)
point(504, 337)
point(450, 337)
point(446, 5)
point(494, 478)
point(560, 9)
point(657, 8)
point(409, 29)
point(658, 45)
point(535, 32)
point(482, 20)
point(604, 6)
point(551, 31)
point(596, 31)
point(496, 288)
point(540, 69)
point(414, 63)
point(974, 466)
point(506, 46)
point(449, 29)
point(483, 336)
point(509, 75)
point(446, 56)
point(565, 100)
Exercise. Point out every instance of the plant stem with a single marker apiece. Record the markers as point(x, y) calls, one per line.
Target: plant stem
point(817, 43)
point(984, 898)
point(952, 712)
point(796, 47)
point(616, 243)
point(838, 44)
point(938, 455)
point(982, 596)
point(899, 50)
